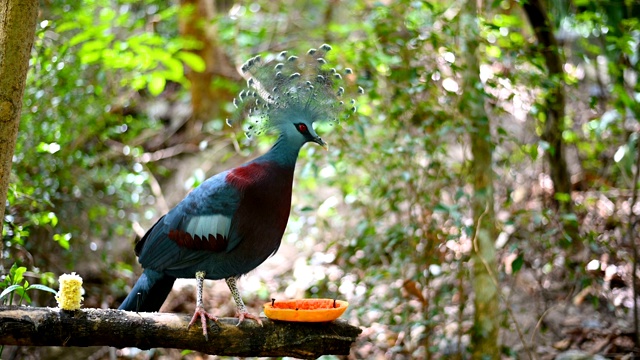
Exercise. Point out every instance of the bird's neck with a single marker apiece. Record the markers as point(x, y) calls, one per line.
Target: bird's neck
point(284, 152)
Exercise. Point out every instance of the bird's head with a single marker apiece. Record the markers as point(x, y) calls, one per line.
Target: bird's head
point(289, 94)
point(300, 131)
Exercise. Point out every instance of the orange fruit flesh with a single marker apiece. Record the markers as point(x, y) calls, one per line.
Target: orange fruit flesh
point(305, 310)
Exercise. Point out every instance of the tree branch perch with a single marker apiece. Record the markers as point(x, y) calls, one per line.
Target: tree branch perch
point(36, 326)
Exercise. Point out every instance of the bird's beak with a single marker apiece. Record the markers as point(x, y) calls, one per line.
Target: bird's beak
point(321, 142)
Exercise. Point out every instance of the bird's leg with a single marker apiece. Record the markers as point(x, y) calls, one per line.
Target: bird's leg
point(242, 312)
point(200, 312)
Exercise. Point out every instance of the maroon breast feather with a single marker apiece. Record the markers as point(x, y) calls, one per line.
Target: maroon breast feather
point(244, 176)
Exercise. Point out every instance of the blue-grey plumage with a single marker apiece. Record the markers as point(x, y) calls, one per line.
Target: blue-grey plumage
point(150, 292)
point(207, 210)
point(235, 220)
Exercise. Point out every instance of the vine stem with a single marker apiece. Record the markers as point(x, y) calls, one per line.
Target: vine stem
point(493, 277)
point(634, 247)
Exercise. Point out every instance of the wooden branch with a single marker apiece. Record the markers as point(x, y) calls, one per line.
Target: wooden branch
point(34, 326)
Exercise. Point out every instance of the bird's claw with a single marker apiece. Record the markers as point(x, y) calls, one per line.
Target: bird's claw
point(201, 314)
point(242, 315)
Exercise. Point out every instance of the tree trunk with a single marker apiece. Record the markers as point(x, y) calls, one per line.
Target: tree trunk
point(555, 113)
point(17, 31)
point(32, 326)
point(207, 100)
point(484, 335)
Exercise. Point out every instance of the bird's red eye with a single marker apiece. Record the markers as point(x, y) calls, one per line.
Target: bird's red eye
point(302, 128)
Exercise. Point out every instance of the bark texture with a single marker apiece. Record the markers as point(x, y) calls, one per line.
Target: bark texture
point(555, 112)
point(32, 326)
point(207, 100)
point(484, 335)
point(17, 31)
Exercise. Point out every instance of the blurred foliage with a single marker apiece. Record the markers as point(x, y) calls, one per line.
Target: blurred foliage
point(385, 214)
point(82, 133)
point(15, 284)
point(63, 154)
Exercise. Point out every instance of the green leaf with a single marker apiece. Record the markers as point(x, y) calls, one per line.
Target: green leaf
point(80, 37)
point(16, 276)
point(493, 51)
point(516, 38)
point(570, 136)
point(441, 208)
point(9, 290)
point(23, 295)
point(66, 26)
point(531, 150)
point(175, 69)
point(48, 278)
point(94, 45)
point(138, 83)
point(563, 197)
point(51, 216)
point(157, 83)
point(43, 288)
point(107, 15)
point(62, 240)
point(516, 265)
point(90, 57)
point(194, 61)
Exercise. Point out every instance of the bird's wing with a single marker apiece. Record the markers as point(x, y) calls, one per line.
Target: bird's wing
point(196, 227)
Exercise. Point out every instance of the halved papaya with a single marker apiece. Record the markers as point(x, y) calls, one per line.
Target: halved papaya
point(305, 310)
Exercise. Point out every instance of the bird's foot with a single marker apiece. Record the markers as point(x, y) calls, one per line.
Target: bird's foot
point(201, 314)
point(241, 315)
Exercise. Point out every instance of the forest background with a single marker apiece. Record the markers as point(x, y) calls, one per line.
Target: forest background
point(482, 202)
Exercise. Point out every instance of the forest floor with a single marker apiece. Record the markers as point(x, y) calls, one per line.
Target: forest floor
point(555, 320)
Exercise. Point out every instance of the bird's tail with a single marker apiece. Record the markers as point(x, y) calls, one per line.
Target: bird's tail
point(149, 292)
